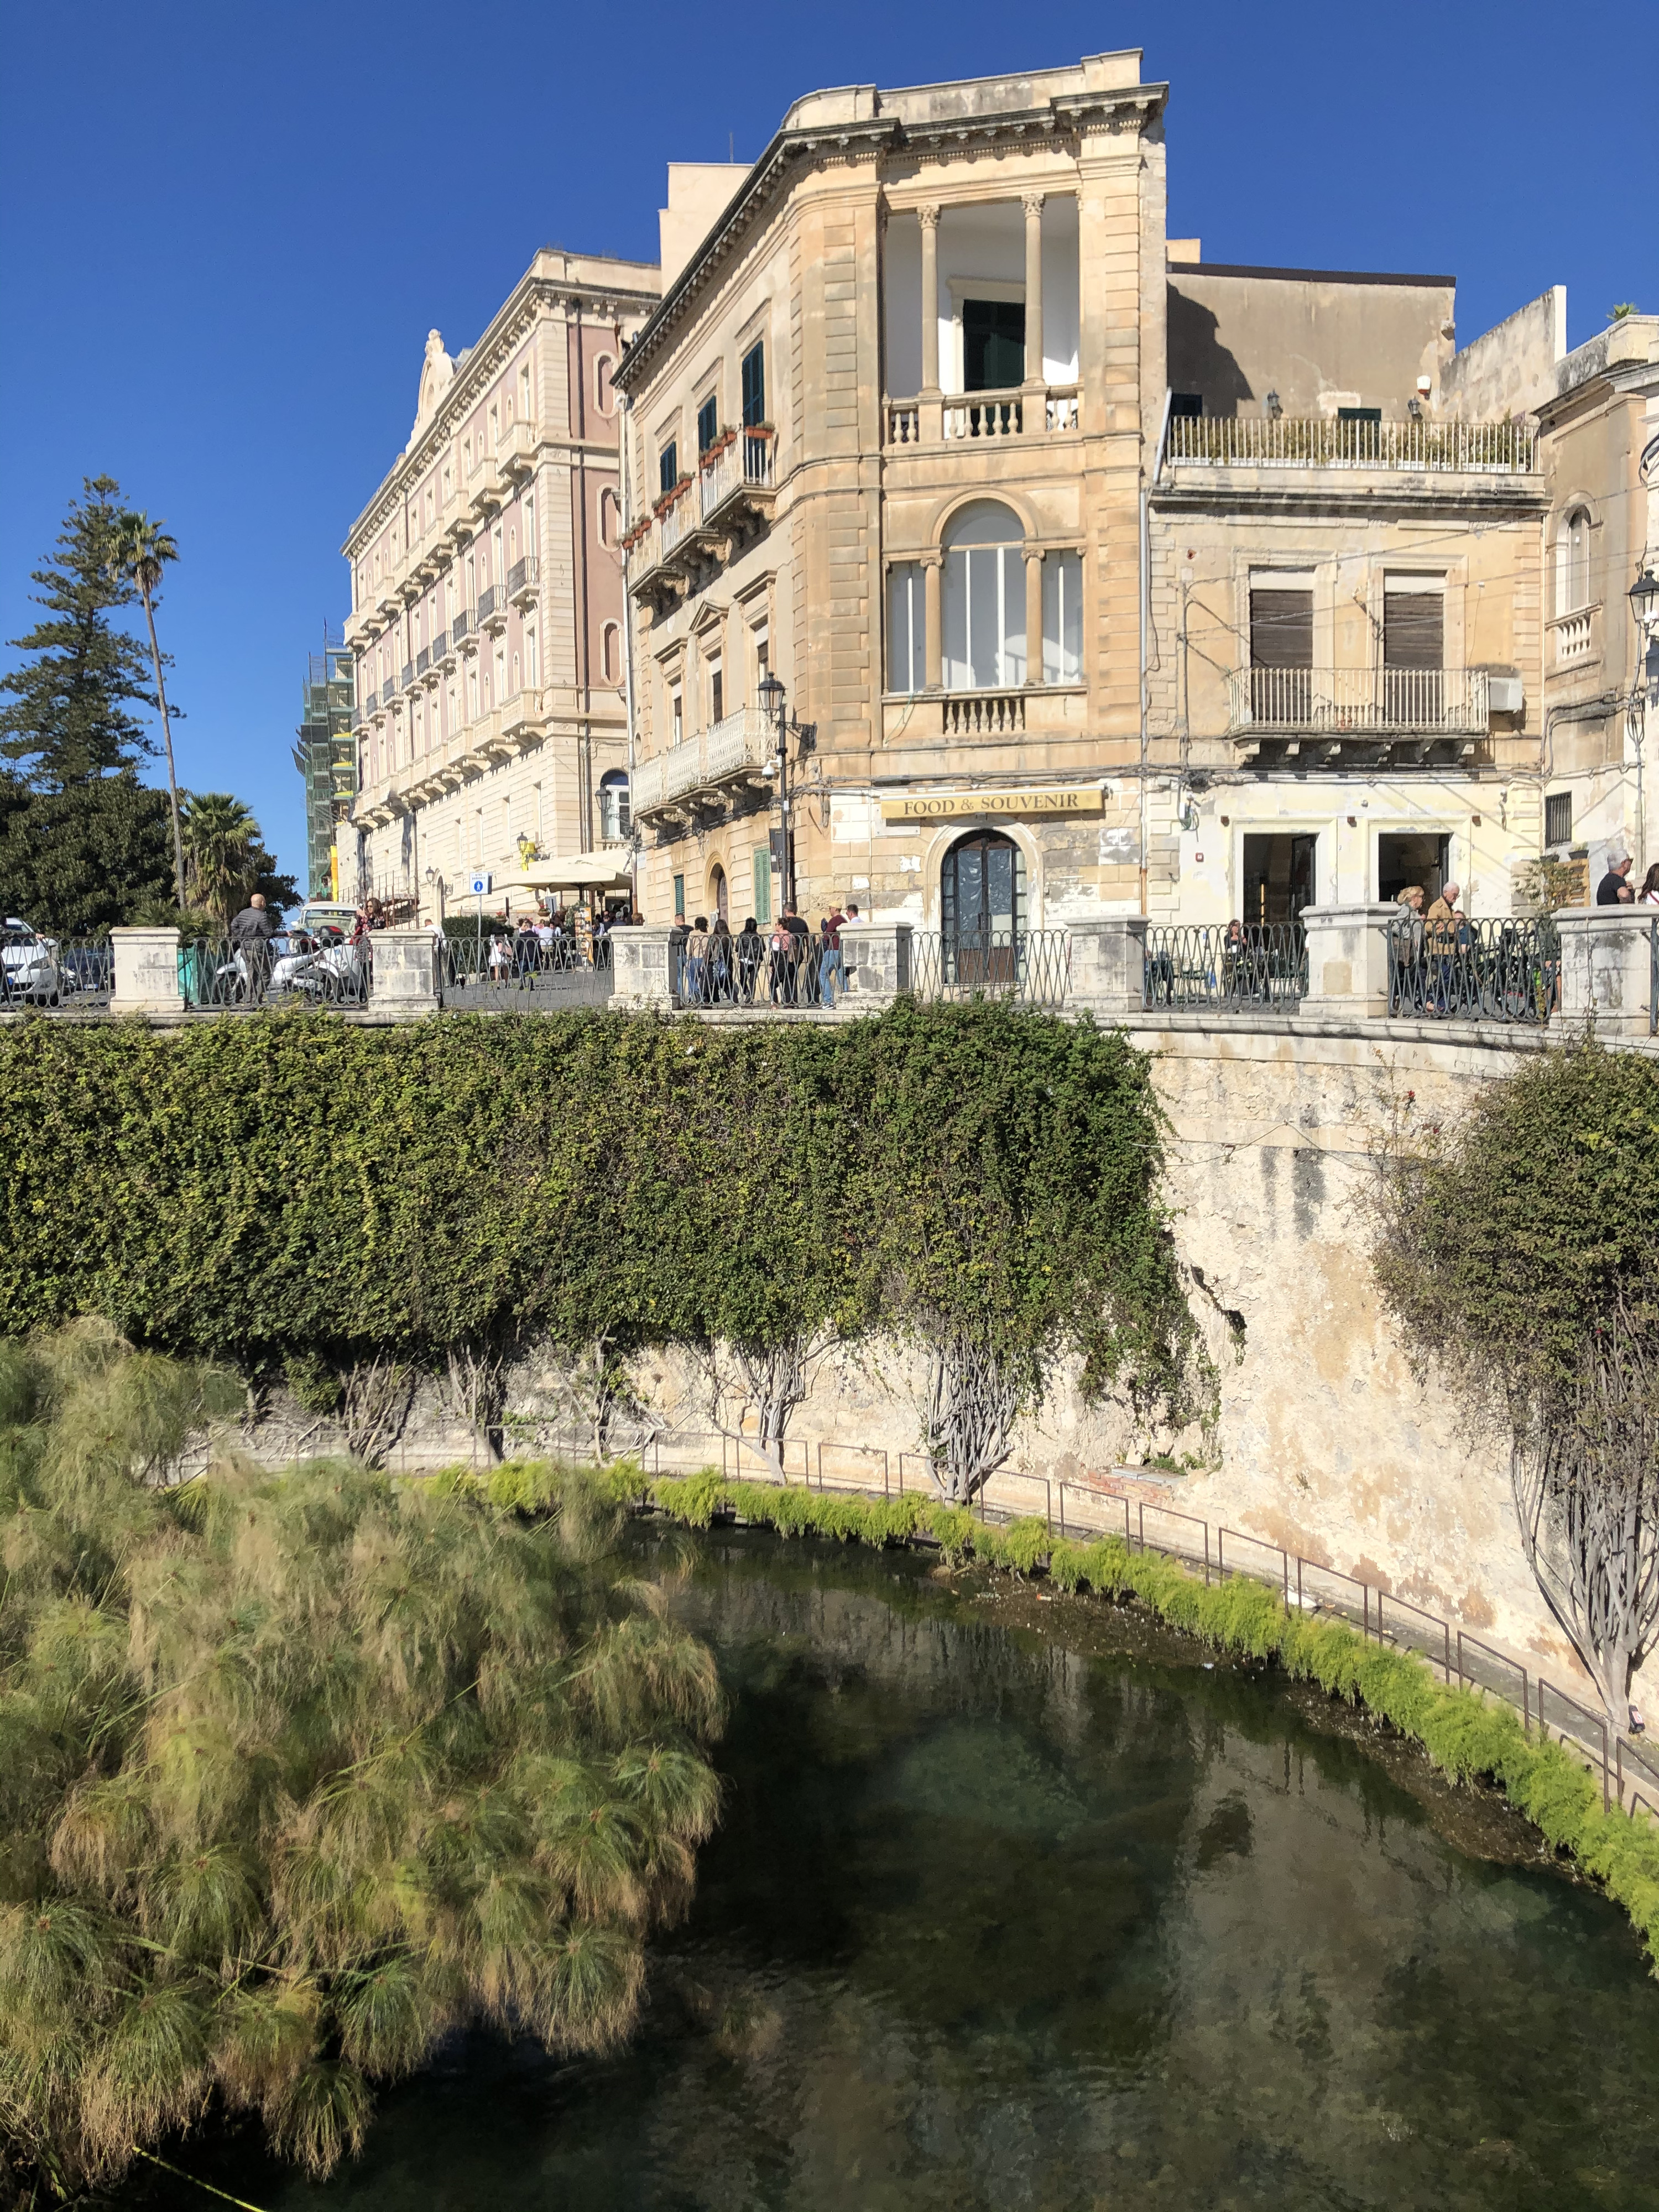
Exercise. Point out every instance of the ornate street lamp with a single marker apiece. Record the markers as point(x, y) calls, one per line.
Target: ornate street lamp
point(770, 694)
point(1644, 598)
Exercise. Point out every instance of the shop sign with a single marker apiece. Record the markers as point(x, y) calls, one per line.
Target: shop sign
point(1038, 800)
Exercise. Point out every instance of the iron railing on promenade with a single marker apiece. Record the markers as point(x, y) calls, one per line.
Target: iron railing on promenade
point(1627, 1770)
point(525, 972)
point(1474, 971)
point(217, 973)
point(1026, 967)
point(55, 973)
point(1231, 968)
point(750, 970)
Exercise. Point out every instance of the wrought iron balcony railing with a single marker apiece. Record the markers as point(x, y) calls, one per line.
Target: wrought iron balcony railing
point(1260, 442)
point(1342, 703)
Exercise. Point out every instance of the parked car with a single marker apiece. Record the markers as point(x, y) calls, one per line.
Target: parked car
point(28, 965)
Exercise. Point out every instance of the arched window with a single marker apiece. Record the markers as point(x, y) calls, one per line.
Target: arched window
point(984, 598)
point(603, 398)
point(613, 807)
point(1573, 572)
point(982, 907)
point(610, 516)
point(610, 652)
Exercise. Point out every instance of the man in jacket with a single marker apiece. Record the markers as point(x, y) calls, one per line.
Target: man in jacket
point(251, 934)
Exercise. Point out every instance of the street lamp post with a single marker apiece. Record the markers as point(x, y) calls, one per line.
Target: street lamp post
point(771, 697)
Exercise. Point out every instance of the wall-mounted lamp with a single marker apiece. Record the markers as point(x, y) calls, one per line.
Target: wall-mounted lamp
point(1274, 405)
point(1414, 408)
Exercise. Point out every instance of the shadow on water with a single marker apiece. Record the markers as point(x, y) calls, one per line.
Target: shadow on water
point(1018, 1906)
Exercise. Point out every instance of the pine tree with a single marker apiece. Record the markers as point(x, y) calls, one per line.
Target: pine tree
point(68, 718)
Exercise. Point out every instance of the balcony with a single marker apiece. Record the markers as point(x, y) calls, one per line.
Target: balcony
point(486, 488)
point(1574, 638)
point(443, 656)
point(736, 753)
point(389, 690)
point(1292, 442)
point(515, 450)
point(492, 610)
point(990, 416)
point(462, 631)
point(408, 683)
point(1355, 716)
point(735, 482)
point(422, 661)
point(521, 581)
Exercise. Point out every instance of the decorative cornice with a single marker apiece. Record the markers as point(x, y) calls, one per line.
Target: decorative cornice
point(533, 298)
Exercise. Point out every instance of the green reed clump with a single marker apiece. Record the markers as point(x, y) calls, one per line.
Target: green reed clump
point(298, 1773)
point(1467, 1736)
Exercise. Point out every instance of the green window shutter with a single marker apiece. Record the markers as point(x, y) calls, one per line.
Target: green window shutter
point(763, 883)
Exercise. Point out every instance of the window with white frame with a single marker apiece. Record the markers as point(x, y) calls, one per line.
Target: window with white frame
point(532, 660)
point(716, 690)
point(1062, 618)
point(613, 807)
point(1572, 562)
point(906, 627)
point(676, 716)
point(984, 598)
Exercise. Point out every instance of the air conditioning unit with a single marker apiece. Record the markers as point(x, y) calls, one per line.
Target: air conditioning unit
point(1504, 695)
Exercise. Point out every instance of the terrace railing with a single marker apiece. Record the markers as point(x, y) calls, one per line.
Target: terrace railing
point(1299, 442)
point(1223, 968)
point(1474, 971)
point(1028, 967)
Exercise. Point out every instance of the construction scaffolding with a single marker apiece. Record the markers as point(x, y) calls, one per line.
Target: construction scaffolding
point(326, 757)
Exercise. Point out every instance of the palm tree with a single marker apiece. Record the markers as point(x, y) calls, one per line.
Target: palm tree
point(222, 842)
point(140, 549)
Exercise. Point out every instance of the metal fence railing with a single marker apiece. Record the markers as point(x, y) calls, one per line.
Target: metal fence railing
point(218, 973)
point(524, 972)
point(1626, 1770)
point(54, 974)
point(1028, 967)
point(767, 968)
point(1475, 971)
point(1238, 967)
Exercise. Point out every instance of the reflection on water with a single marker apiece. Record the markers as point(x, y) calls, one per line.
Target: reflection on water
point(992, 1926)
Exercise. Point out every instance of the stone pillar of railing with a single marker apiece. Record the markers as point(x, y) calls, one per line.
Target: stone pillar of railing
point(643, 972)
point(877, 958)
point(1606, 969)
point(1347, 960)
point(144, 977)
point(1107, 973)
point(408, 973)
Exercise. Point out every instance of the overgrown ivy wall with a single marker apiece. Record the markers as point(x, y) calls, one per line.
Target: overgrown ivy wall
point(285, 1188)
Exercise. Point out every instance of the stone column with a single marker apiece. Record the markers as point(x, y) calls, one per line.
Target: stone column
point(640, 966)
point(1035, 416)
point(1607, 959)
point(930, 423)
point(877, 958)
point(407, 977)
point(145, 979)
point(1107, 966)
point(1033, 617)
point(1348, 960)
point(932, 567)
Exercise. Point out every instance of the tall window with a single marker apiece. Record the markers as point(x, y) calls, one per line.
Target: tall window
point(676, 716)
point(613, 807)
point(984, 598)
point(753, 386)
point(608, 512)
point(533, 660)
point(1572, 573)
point(1062, 618)
point(610, 653)
point(906, 627)
point(1281, 645)
point(1413, 650)
point(993, 345)
point(668, 467)
point(524, 390)
point(761, 868)
point(716, 691)
point(708, 424)
point(602, 394)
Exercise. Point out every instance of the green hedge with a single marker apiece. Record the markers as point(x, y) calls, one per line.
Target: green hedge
point(1466, 1735)
point(286, 1185)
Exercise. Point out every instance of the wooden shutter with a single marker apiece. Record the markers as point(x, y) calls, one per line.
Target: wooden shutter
point(1282, 630)
point(1414, 629)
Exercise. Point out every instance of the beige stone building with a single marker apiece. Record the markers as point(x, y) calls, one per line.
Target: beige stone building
point(1103, 580)
point(487, 607)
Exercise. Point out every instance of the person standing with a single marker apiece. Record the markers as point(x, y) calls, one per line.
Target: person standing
point(796, 955)
point(1613, 889)
point(832, 971)
point(696, 962)
point(251, 933)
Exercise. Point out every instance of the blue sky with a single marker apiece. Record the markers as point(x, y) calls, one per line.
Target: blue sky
point(225, 231)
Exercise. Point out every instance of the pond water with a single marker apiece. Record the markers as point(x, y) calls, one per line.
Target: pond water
point(1017, 1906)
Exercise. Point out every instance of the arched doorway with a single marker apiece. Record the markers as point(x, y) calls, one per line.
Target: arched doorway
point(983, 911)
point(720, 893)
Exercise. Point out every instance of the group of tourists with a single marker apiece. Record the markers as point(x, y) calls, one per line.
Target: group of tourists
point(789, 965)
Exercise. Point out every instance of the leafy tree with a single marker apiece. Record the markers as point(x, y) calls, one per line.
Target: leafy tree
point(1517, 1250)
point(139, 550)
point(67, 718)
point(302, 1773)
point(226, 860)
point(77, 860)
